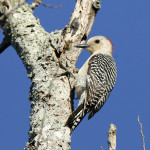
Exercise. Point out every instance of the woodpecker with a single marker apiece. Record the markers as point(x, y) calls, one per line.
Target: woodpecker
point(95, 80)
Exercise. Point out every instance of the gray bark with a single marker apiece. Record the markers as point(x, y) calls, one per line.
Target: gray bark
point(50, 96)
point(112, 137)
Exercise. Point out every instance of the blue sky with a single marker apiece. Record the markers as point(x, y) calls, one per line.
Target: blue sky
point(127, 25)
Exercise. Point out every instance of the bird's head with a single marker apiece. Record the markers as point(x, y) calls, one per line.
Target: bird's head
point(98, 44)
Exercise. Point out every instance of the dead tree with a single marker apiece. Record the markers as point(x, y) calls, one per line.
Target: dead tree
point(42, 53)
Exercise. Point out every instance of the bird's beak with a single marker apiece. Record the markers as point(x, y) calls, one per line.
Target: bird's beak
point(82, 46)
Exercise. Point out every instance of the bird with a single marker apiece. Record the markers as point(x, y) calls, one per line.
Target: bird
point(95, 80)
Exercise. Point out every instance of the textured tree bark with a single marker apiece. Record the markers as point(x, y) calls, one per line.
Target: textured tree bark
point(50, 96)
point(112, 137)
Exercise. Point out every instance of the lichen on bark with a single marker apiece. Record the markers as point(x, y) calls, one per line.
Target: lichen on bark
point(41, 52)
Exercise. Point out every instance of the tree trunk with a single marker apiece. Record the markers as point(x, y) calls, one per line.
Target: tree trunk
point(50, 96)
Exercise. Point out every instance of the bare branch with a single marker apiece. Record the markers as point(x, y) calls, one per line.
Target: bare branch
point(5, 43)
point(112, 137)
point(35, 4)
point(141, 131)
point(38, 2)
point(51, 6)
point(78, 28)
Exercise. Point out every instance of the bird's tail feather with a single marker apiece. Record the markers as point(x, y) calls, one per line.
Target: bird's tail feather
point(75, 118)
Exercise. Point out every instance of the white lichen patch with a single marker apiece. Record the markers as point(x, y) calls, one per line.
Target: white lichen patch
point(41, 114)
point(58, 134)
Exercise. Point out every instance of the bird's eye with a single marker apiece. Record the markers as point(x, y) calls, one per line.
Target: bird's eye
point(97, 41)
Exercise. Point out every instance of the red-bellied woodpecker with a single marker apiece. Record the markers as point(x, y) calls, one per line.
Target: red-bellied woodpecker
point(95, 80)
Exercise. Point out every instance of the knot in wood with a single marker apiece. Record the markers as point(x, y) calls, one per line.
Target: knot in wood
point(97, 5)
point(74, 25)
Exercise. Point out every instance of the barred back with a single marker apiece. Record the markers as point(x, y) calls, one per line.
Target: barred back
point(101, 78)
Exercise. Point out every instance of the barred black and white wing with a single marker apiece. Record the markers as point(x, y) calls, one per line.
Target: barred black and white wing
point(101, 78)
